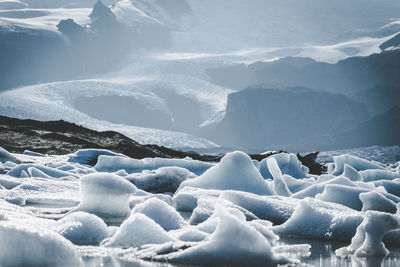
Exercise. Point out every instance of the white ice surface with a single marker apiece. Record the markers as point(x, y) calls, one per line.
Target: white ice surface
point(368, 239)
point(21, 245)
point(106, 195)
point(162, 213)
point(136, 231)
point(235, 171)
point(115, 163)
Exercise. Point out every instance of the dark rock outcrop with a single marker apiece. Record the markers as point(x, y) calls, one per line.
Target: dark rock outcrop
point(61, 137)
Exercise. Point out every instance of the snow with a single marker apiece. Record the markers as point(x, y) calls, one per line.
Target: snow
point(82, 228)
point(162, 213)
point(368, 239)
point(21, 245)
point(235, 171)
point(115, 163)
point(136, 231)
point(104, 194)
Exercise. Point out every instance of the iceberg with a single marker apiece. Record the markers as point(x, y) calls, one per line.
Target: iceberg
point(368, 239)
point(115, 163)
point(162, 213)
point(376, 201)
point(288, 164)
point(235, 171)
point(321, 220)
point(359, 164)
point(28, 246)
point(137, 231)
point(234, 242)
point(82, 228)
point(105, 195)
point(164, 179)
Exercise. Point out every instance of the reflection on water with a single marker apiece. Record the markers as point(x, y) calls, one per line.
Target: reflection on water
point(323, 254)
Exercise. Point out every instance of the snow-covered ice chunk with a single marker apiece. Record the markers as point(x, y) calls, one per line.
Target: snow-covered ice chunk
point(136, 231)
point(234, 242)
point(342, 194)
point(22, 245)
point(374, 175)
point(368, 239)
point(82, 228)
point(205, 209)
point(318, 188)
point(33, 154)
point(186, 198)
point(235, 171)
point(265, 228)
point(109, 163)
point(137, 198)
point(164, 179)
point(392, 187)
point(162, 213)
point(357, 163)
point(321, 220)
point(376, 201)
point(276, 209)
point(6, 156)
point(288, 164)
point(280, 186)
point(105, 194)
point(48, 171)
point(89, 156)
point(17, 214)
point(351, 173)
point(296, 185)
point(189, 235)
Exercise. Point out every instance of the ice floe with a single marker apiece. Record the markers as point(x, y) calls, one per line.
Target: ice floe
point(183, 211)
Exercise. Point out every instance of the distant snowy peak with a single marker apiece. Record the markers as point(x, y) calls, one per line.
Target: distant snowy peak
point(130, 15)
point(12, 4)
point(100, 10)
point(167, 13)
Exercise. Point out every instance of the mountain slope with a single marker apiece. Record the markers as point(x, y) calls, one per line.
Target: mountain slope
point(347, 76)
point(383, 129)
point(291, 118)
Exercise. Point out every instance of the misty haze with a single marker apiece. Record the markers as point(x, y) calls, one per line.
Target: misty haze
point(137, 132)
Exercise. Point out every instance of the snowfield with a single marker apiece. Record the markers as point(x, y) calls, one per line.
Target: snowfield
point(230, 213)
